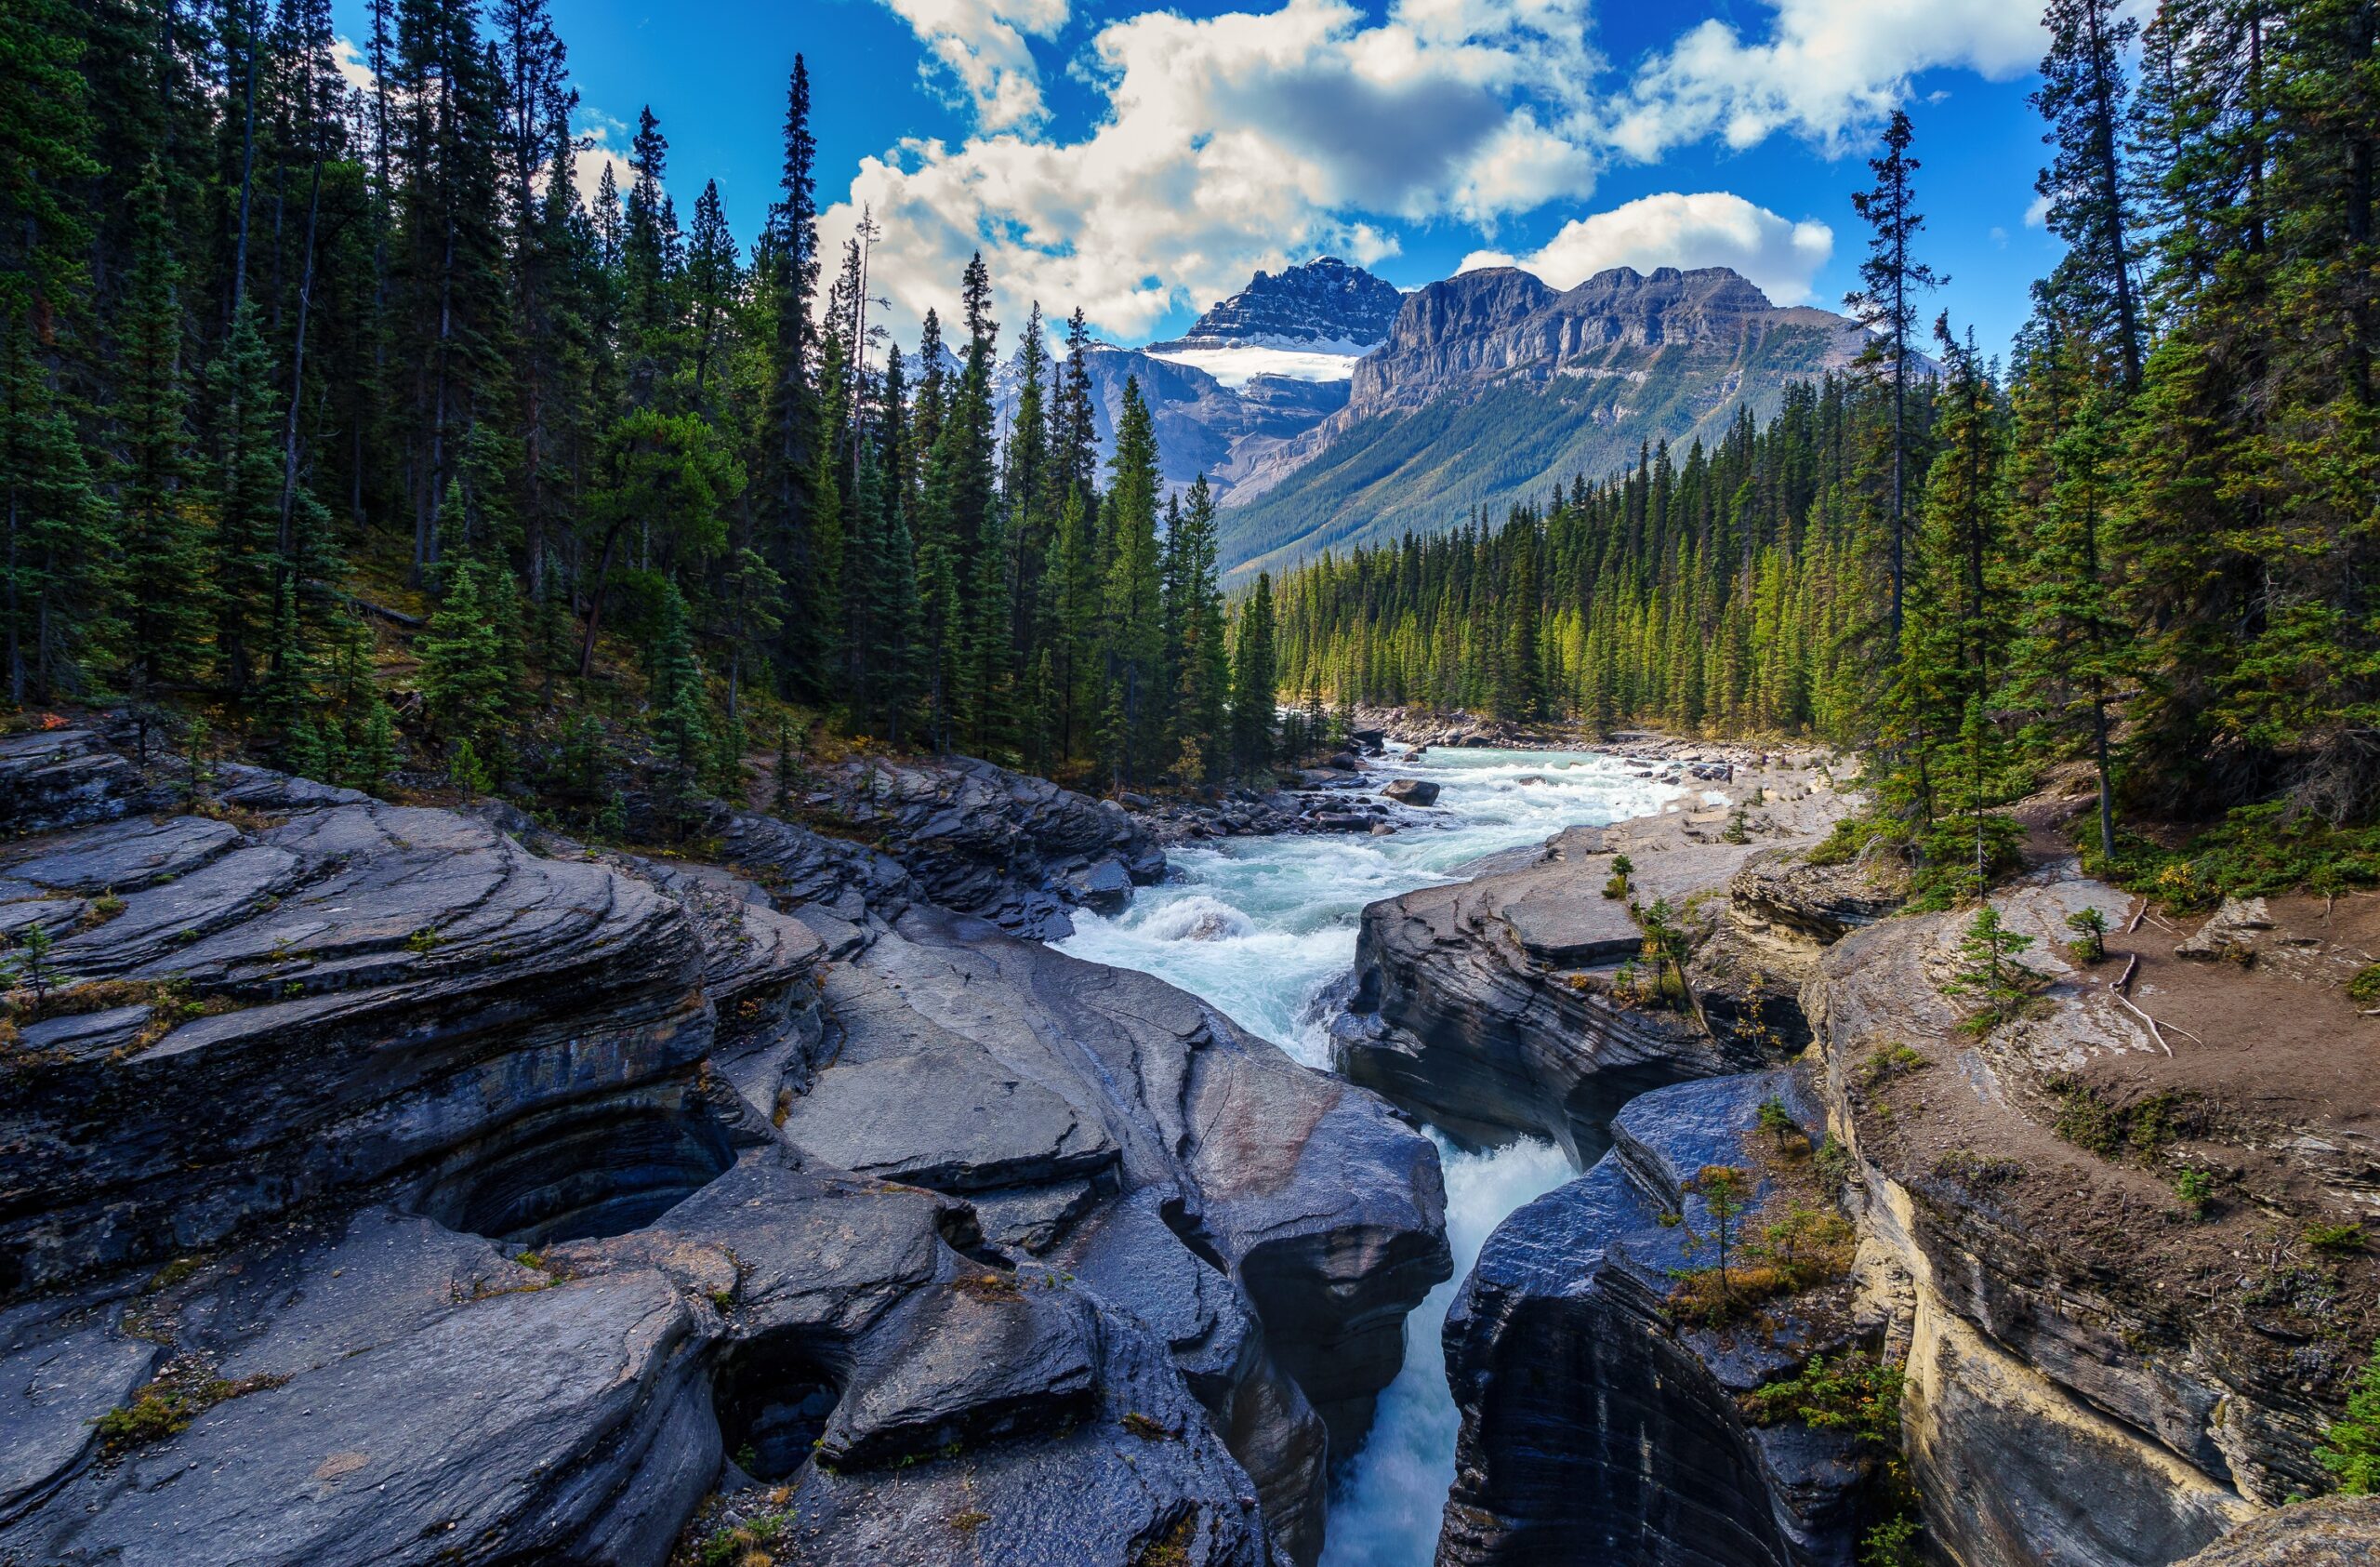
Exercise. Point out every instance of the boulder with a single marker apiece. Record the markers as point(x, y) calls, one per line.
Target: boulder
point(1411, 791)
point(1345, 762)
point(2230, 934)
point(977, 838)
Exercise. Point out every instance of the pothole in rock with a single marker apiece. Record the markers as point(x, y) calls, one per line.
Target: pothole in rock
point(773, 1401)
point(591, 1176)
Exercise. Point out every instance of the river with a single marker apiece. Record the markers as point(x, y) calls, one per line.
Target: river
point(1258, 926)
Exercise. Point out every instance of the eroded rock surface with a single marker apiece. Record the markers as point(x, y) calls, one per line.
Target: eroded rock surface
point(1596, 1428)
point(1495, 1007)
point(2135, 1372)
point(1016, 850)
point(1272, 1224)
point(380, 1190)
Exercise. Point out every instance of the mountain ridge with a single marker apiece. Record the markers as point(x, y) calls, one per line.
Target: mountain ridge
point(1493, 385)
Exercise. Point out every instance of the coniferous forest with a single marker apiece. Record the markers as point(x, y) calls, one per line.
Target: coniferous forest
point(337, 418)
point(2148, 543)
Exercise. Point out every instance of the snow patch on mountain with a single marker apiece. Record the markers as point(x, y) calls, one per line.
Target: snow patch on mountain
point(1237, 363)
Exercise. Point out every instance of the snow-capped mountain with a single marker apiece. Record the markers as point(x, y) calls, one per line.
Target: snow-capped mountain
point(1310, 322)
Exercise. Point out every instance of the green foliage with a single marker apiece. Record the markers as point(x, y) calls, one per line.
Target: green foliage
point(1887, 1062)
point(2350, 1446)
point(2343, 1238)
point(1892, 1543)
point(1987, 970)
point(2258, 851)
point(2195, 1190)
point(2364, 989)
point(1859, 1394)
point(2086, 1117)
point(2090, 928)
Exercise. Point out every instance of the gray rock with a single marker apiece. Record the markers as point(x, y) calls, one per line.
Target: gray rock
point(490, 1239)
point(62, 778)
point(1411, 791)
point(1454, 1018)
point(1016, 850)
point(2327, 1532)
point(1593, 1428)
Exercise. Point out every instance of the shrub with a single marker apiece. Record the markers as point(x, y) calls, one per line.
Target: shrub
point(1777, 1122)
point(2085, 1118)
point(2334, 1237)
point(1892, 1543)
point(1859, 1393)
point(1888, 1062)
point(2351, 1443)
point(2196, 1190)
point(2364, 989)
point(2090, 928)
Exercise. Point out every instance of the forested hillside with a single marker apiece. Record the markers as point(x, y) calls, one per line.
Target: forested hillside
point(285, 355)
point(2148, 541)
point(337, 415)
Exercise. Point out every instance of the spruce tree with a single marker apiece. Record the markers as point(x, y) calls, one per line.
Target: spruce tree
point(164, 529)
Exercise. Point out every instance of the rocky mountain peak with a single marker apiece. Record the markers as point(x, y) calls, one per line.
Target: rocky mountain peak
point(1326, 302)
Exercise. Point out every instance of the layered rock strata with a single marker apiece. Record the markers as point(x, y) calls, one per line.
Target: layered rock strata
point(2103, 1367)
point(379, 1191)
point(1494, 1007)
point(1597, 1429)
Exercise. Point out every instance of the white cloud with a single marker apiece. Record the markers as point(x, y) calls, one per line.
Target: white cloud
point(2037, 213)
point(1826, 70)
point(1239, 142)
point(348, 54)
point(1707, 229)
point(981, 46)
point(596, 130)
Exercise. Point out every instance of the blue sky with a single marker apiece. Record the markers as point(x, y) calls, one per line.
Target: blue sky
point(1141, 161)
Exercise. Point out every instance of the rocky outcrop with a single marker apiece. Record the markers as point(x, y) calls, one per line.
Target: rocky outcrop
point(1271, 1224)
point(2328, 1532)
point(1497, 1007)
point(1324, 303)
point(1018, 851)
point(2137, 1372)
point(1488, 1009)
point(1595, 1426)
point(380, 1190)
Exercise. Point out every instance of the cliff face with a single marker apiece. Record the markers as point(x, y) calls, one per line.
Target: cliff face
point(1594, 1428)
point(380, 1190)
point(2103, 1364)
point(2136, 1373)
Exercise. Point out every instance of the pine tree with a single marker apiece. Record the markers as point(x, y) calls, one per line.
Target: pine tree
point(466, 680)
point(164, 530)
point(2083, 95)
point(1885, 303)
point(1131, 629)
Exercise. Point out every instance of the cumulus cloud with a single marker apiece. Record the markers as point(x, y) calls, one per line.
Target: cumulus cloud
point(1237, 141)
point(980, 45)
point(1260, 138)
point(1706, 229)
point(1825, 71)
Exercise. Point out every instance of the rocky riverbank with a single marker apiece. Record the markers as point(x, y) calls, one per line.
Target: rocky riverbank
point(1511, 1004)
point(2107, 1250)
point(393, 1185)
